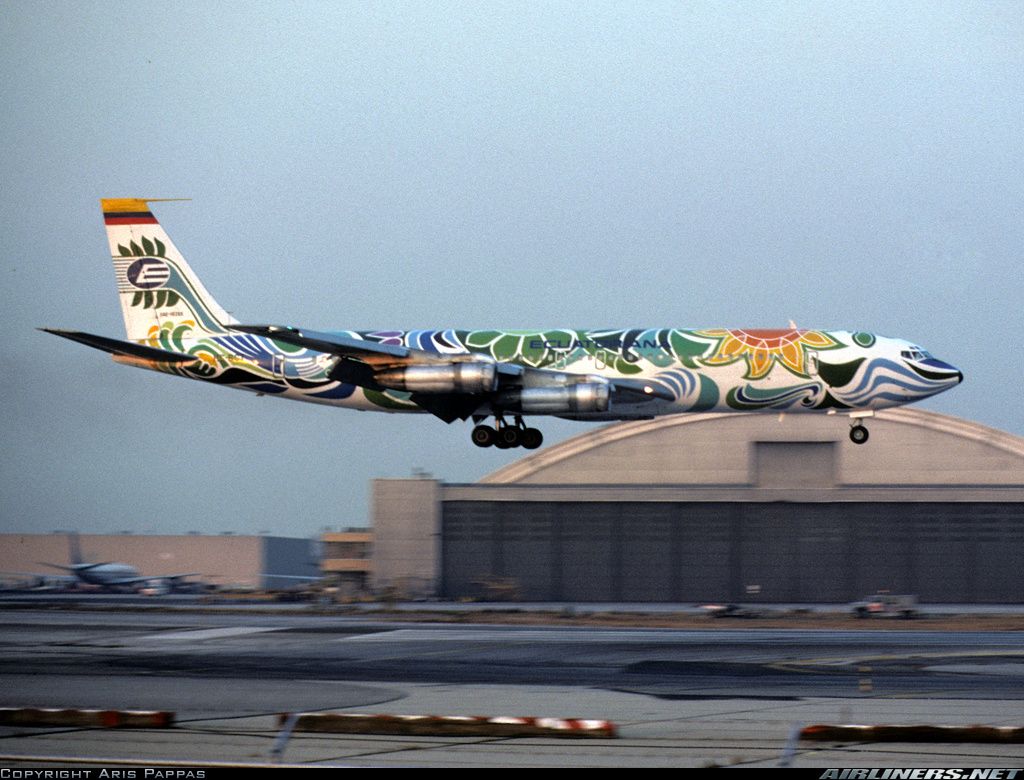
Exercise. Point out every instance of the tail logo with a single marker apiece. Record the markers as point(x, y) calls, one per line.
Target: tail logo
point(147, 273)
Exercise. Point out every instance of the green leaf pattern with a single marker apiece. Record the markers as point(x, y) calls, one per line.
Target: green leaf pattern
point(148, 299)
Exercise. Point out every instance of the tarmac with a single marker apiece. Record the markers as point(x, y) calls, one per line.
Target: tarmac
point(715, 696)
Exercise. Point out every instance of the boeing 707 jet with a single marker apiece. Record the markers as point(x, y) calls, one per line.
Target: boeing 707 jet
point(175, 326)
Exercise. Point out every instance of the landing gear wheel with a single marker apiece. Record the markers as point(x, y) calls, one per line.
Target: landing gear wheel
point(505, 435)
point(858, 434)
point(483, 436)
point(531, 438)
point(510, 435)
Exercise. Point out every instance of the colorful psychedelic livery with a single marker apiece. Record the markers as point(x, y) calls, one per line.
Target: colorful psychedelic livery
point(175, 326)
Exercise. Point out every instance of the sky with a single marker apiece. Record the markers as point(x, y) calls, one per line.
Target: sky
point(550, 164)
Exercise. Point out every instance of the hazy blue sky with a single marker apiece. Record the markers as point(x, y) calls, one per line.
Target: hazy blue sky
point(424, 164)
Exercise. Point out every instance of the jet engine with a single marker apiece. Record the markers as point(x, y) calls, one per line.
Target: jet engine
point(582, 397)
point(448, 378)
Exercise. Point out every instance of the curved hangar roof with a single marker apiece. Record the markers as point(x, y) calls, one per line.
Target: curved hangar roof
point(907, 447)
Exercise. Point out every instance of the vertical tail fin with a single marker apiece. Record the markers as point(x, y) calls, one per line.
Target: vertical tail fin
point(156, 286)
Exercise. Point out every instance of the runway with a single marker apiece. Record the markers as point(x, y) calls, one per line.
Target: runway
point(681, 697)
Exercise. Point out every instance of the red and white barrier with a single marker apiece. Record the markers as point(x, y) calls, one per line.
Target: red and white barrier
point(899, 733)
point(108, 719)
point(450, 725)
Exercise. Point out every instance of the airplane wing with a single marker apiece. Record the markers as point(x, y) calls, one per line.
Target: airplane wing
point(333, 343)
point(370, 365)
point(75, 568)
point(151, 578)
point(362, 363)
point(371, 353)
point(41, 576)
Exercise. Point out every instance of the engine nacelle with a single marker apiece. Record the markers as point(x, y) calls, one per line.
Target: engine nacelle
point(583, 397)
point(448, 378)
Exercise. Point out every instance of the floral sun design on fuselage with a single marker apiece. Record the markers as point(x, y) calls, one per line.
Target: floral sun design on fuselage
point(762, 349)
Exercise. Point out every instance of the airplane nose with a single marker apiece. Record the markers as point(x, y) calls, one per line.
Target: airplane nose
point(946, 371)
point(953, 370)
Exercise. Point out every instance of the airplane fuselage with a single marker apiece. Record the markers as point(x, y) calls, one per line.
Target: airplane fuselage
point(790, 370)
point(105, 574)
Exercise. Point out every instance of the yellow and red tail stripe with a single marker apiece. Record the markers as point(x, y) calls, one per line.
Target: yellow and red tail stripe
point(127, 211)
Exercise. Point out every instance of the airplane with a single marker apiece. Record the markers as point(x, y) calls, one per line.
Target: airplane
point(116, 576)
point(175, 326)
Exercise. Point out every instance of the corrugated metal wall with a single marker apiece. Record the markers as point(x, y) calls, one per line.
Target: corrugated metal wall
point(697, 552)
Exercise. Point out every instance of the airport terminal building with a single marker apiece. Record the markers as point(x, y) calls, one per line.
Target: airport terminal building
point(722, 507)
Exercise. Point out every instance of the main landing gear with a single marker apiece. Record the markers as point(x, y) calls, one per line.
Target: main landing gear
point(505, 436)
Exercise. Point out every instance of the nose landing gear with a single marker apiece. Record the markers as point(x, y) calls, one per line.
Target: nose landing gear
point(858, 433)
point(505, 436)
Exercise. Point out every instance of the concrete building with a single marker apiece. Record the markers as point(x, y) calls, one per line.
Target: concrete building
point(728, 507)
point(225, 560)
point(347, 560)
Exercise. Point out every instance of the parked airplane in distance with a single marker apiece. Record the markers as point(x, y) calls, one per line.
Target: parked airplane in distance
point(116, 576)
point(175, 326)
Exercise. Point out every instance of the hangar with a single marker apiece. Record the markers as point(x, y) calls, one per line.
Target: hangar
point(730, 507)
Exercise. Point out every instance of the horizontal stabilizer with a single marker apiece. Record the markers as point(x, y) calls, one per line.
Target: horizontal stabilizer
point(126, 348)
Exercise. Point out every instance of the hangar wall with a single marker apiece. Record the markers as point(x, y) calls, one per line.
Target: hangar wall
point(739, 508)
point(743, 551)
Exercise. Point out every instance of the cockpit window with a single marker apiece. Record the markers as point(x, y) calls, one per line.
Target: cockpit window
point(915, 353)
